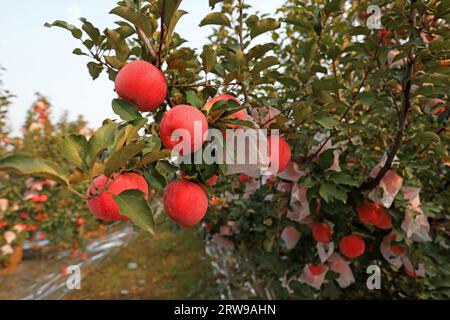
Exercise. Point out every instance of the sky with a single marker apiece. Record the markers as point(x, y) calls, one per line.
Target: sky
point(39, 59)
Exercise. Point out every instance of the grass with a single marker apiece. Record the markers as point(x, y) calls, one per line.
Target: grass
point(170, 266)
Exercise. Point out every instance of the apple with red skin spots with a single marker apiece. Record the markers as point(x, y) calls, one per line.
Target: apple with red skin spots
point(352, 246)
point(321, 232)
point(241, 114)
point(183, 117)
point(103, 205)
point(142, 84)
point(185, 202)
point(279, 157)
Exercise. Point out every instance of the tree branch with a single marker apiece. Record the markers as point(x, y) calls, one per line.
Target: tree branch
point(147, 44)
point(402, 117)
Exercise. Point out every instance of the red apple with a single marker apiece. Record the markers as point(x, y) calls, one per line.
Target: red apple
point(321, 232)
point(279, 157)
point(142, 84)
point(243, 178)
point(316, 269)
point(352, 246)
point(385, 221)
point(184, 117)
point(213, 180)
point(185, 202)
point(370, 213)
point(103, 205)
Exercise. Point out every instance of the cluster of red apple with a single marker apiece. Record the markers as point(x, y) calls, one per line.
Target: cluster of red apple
point(185, 202)
point(353, 245)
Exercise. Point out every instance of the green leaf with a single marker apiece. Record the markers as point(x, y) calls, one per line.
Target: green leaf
point(134, 17)
point(165, 168)
point(427, 137)
point(91, 31)
point(94, 69)
point(154, 156)
point(209, 58)
point(237, 122)
point(132, 204)
point(259, 50)
point(216, 18)
point(224, 105)
point(193, 99)
point(258, 27)
point(125, 110)
point(332, 6)
point(329, 191)
point(328, 122)
point(169, 8)
point(102, 139)
point(302, 112)
point(25, 164)
point(326, 159)
point(307, 181)
point(324, 97)
point(78, 52)
point(343, 178)
point(265, 63)
point(156, 180)
point(117, 42)
point(300, 20)
point(122, 156)
point(115, 62)
point(74, 149)
point(76, 33)
point(171, 27)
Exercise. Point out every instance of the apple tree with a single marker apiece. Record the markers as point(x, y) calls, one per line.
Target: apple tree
point(361, 110)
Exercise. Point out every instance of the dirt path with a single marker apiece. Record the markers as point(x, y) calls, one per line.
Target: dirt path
point(172, 266)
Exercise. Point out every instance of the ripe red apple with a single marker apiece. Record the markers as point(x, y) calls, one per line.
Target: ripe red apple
point(243, 178)
point(321, 232)
point(316, 269)
point(213, 180)
point(282, 155)
point(103, 205)
point(352, 246)
point(185, 202)
point(142, 84)
point(241, 114)
point(370, 213)
point(184, 117)
point(385, 221)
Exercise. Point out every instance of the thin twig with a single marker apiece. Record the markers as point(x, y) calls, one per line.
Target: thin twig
point(148, 46)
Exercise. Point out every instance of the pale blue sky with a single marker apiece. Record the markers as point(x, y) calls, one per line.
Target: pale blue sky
point(39, 59)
